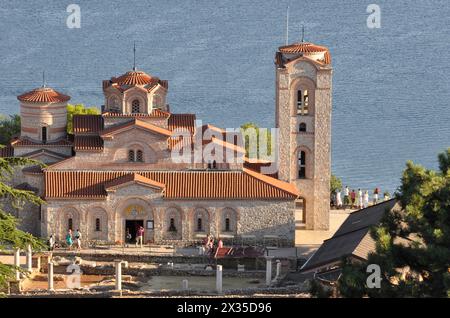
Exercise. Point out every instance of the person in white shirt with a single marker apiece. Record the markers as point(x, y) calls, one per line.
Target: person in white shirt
point(346, 196)
point(360, 199)
point(366, 199)
point(78, 238)
point(338, 199)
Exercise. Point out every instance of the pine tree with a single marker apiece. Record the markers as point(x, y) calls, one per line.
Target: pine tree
point(10, 236)
point(412, 245)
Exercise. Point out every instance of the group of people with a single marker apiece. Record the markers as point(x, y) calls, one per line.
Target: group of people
point(73, 238)
point(139, 237)
point(209, 244)
point(356, 199)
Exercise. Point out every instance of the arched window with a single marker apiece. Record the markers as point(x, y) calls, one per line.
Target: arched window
point(135, 107)
point(227, 225)
point(172, 227)
point(302, 127)
point(97, 225)
point(70, 224)
point(301, 165)
point(302, 102)
point(199, 225)
point(139, 156)
point(44, 134)
point(131, 155)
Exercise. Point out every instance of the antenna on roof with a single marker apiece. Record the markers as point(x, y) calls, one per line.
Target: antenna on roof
point(303, 33)
point(134, 56)
point(287, 25)
point(43, 79)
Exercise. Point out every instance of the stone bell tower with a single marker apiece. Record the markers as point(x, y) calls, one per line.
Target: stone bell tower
point(303, 117)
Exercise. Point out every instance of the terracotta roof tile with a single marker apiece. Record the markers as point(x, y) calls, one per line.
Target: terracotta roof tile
point(182, 121)
point(87, 124)
point(25, 142)
point(156, 113)
point(132, 178)
point(43, 95)
point(305, 48)
point(197, 185)
point(6, 151)
point(135, 122)
point(88, 143)
point(133, 78)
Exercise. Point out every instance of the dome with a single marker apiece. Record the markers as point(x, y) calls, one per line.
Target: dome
point(134, 78)
point(43, 95)
point(317, 52)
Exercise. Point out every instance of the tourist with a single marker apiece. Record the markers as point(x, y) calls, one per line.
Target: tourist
point(78, 238)
point(360, 199)
point(128, 238)
point(353, 197)
point(338, 199)
point(366, 199)
point(375, 195)
point(220, 244)
point(51, 243)
point(346, 196)
point(140, 237)
point(69, 239)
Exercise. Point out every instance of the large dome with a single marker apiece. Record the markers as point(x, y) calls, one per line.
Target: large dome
point(43, 95)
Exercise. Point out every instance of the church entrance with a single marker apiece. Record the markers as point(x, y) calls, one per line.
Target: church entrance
point(131, 226)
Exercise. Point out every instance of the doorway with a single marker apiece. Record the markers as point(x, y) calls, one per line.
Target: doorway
point(132, 226)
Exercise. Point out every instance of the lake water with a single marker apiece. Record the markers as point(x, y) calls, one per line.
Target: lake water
point(391, 88)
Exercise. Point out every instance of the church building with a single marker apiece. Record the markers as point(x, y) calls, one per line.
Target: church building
point(117, 172)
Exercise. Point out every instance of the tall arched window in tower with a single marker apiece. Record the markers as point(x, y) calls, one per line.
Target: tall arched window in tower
point(302, 127)
point(302, 165)
point(302, 102)
point(44, 134)
point(135, 106)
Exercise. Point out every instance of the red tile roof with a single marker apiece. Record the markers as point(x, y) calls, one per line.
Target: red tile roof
point(133, 78)
point(25, 142)
point(88, 143)
point(197, 185)
point(305, 48)
point(182, 121)
point(43, 95)
point(87, 124)
point(156, 113)
point(6, 151)
point(132, 178)
point(109, 132)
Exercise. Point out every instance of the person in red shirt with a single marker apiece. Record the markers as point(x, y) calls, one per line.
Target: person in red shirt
point(140, 236)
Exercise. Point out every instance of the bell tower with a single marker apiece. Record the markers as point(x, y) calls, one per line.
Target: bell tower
point(303, 118)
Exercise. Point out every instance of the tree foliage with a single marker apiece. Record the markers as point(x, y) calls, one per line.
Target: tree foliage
point(262, 135)
point(9, 127)
point(10, 235)
point(78, 109)
point(412, 245)
point(335, 183)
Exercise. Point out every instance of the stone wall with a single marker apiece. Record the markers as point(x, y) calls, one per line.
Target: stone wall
point(253, 217)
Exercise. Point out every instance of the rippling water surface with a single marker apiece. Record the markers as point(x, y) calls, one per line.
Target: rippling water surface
point(391, 87)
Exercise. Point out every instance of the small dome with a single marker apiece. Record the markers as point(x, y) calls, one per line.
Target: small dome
point(134, 78)
point(308, 49)
point(43, 95)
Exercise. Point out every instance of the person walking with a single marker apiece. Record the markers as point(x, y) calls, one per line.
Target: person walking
point(360, 199)
point(366, 199)
point(338, 199)
point(140, 236)
point(353, 198)
point(376, 192)
point(346, 196)
point(69, 239)
point(78, 239)
point(51, 243)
